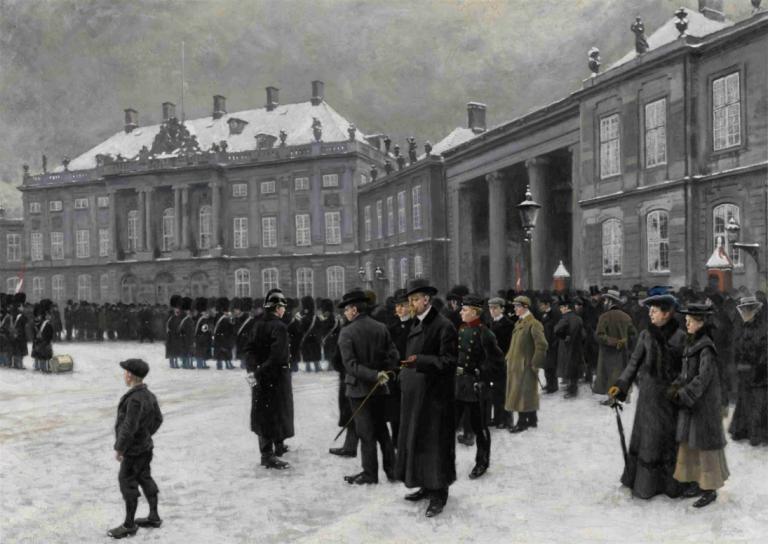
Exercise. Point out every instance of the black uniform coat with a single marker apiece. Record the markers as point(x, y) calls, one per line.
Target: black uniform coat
point(366, 348)
point(138, 418)
point(18, 344)
point(478, 360)
point(41, 343)
point(310, 337)
point(223, 338)
point(186, 333)
point(173, 347)
point(549, 320)
point(699, 422)
point(203, 339)
point(267, 355)
point(426, 455)
point(243, 326)
point(570, 347)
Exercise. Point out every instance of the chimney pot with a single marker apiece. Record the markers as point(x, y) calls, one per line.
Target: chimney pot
point(273, 98)
point(131, 120)
point(169, 110)
point(476, 117)
point(219, 106)
point(712, 9)
point(318, 88)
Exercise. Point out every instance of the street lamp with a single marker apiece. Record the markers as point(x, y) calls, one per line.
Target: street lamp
point(733, 231)
point(379, 273)
point(361, 273)
point(529, 212)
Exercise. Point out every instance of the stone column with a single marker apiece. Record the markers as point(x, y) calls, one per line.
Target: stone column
point(177, 217)
point(185, 217)
point(537, 171)
point(113, 230)
point(215, 214)
point(141, 223)
point(578, 274)
point(497, 231)
point(465, 237)
point(149, 239)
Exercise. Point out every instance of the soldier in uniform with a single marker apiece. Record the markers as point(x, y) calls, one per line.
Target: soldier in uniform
point(309, 336)
point(42, 350)
point(145, 323)
point(267, 358)
point(185, 333)
point(171, 338)
point(202, 333)
point(68, 319)
point(223, 336)
point(243, 323)
point(501, 326)
point(18, 332)
point(478, 357)
point(5, 331)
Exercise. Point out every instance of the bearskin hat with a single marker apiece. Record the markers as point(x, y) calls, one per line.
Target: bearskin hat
point(186, 304)
point(308, 304)
point(201, 304)
point(175, 301)
point(222, 304)
point(20, 298)
point(237, 303)
point(246, 305)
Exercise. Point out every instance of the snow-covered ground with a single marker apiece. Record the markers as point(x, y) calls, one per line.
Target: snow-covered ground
point(557, 483)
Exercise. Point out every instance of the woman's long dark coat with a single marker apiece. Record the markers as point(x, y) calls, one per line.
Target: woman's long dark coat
point(750, 417)
point(426, 454)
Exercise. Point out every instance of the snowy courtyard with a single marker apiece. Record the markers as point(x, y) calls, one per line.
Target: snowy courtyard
point(557, 483)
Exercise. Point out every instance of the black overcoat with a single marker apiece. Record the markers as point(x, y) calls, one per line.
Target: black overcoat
point(366, 348)
point(42, 342)
point(570, 347)
point(18, 343)
point(138, 418)
point(223, 338)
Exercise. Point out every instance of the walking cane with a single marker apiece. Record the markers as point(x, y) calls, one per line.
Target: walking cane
point(617, 408)
point(375, 386)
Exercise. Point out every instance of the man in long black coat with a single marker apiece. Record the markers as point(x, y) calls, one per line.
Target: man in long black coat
point(18, 348)
point(223, 335)
point(502, 327)
point(399, 331)
point(172, 351)
point(426, 449)
point(570, 347)
point(267, 360)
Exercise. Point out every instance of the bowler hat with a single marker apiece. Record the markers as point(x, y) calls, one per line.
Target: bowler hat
point(472, 300)
point(137, 367)
point(420, 285)
point(356, 295)
point(523, 300)
point(400, 297)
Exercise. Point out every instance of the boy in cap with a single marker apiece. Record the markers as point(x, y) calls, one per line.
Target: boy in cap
point(138, 418)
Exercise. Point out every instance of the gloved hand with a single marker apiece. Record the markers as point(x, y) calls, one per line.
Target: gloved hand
point(382, 377)
point(620, 344)
point(613, 391)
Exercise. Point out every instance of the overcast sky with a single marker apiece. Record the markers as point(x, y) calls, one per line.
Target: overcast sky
point(68, 68)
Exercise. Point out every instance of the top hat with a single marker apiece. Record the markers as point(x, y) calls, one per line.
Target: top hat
point(356, 295)
point(420, 285)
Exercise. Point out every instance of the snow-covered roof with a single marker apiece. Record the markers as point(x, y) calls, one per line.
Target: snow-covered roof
point(719, 258)
point(561, 271)
point(698, 26)
point(457, 136)
point(294, 119)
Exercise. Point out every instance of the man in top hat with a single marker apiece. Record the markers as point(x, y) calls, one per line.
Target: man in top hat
point(615, 336)
point(453, 299)
point(172, 348)
point(18, 332)
point(426, 449)
point(267, 356)
point(501, 326)
point(478, 357)
point(203, 337)
point(223, 336)
point(369, 358)
point(138, 418)
point(526, 355)
point(570, 347)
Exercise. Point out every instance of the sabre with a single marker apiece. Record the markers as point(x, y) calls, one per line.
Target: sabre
point(375, 386)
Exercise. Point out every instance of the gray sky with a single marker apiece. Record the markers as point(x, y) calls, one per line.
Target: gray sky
point(68, 68)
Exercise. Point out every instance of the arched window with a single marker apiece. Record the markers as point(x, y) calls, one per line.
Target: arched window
point(269, 279)
point(722, 214)
point(242, 282)
point(613, 245)
point(403, 272)
point(10, 284)
point(84, 287)
point(38, 289)
point(657, 229)
point(133, 230)
point(305, 282)
point(204, 240)
point(169, 217)
point(335, 275)
point(163, 287)
point(57, 287)
point(391, 275)
point(418, 267)
point(129, 287)
point(104, 287)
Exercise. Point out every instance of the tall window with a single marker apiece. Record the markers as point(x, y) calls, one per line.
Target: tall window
point(726, 112)
point(367, 223)
point(403, 272)
point(335, 276)
point(369, 271)
point(37, 287)
point(13, 247)
point(81, 203)
point(269, 279)
point(390, 216)
point(57, 287)
point(55, 205)
point(610, 150)
point(332, 228)
point(84, 287)
point(104, 287)
point(401, 225)
point(613, 241)
point(239, 190)
point(267, 187)
point(104, 242)
point(11, 284)
point(722, 214)
point(301, 184)
point(305, 282)
point(130, 287)
point(36, 245)
point(303, 230)
point(656, 133)
point(418, 267)
point(391, 274)
point(330, 180)
point(379, 219)
point(82, 243)
point(657, 224)
point(416, 205)
point(102, 201)
point(198, 284)
point(269, 231)
point(34, 207)
point(169, 218)
point(242, 282)
point(241, 232)
point(204, 228)
point(133, 230)
point(363, 179)
point(57, 245)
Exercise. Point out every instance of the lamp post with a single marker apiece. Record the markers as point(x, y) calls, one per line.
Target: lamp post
point(361, 274)
point(529, 212)
point(733, 232)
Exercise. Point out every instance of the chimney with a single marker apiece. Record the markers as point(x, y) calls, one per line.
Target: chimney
point(712, 9)
point(169, 110)
point(476, 117)
point(317, 92)
point(273, 98)
point(131, 120)
point(219, 106)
